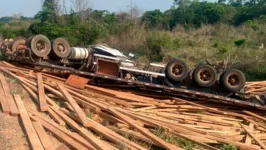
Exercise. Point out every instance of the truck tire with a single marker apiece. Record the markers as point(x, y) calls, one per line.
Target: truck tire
point(17, 44)
point(176, 70)
point(60, 48)
point(28, 41)
point(233, 80)
point(40, 45)
point(1, 41)
point(205, 75)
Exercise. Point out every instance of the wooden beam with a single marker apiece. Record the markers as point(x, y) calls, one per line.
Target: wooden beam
point(11, 102)
point(55, 117)
point(81, 115)
point(4, 102)
point(144, 131)
point(254, 137)
point(46, 142)
point(97, 143)
point(255, 115)
point(32, 135)
point(62, 147)
point(106, 132)
point(41, 93)
point(248, 138)
point(76, 137)
point(61, 135)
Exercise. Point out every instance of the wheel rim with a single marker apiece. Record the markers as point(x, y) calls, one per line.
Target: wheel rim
point(40, 45)
point(233, 80)
point(61, 48)
point(205, 75)
point(177, 70)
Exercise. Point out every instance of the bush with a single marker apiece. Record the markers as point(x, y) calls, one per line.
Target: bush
point(238, 43)
point(156, 44)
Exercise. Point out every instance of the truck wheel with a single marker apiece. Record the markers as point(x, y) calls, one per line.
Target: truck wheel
point(60, 48)
point(176, 70)
point(17, 44)
point(205, 75)
point(40, 45)
point(233, 80)
point(28, 41)
point(1, 41)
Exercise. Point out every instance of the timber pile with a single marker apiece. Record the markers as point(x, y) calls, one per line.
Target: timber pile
point(256, 88)
point(100, 118)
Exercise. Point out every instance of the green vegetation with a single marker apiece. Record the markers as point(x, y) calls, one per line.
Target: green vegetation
point(170, 138)
point(232, 31)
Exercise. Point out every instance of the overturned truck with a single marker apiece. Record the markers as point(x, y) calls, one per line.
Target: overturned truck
point(105, 66)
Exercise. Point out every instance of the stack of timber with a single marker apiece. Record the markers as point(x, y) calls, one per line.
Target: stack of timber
point(104, 118)
point(256, 88)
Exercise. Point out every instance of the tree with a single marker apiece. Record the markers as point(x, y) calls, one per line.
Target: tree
point(81, 7)
point(153, 18)
point(48, 12)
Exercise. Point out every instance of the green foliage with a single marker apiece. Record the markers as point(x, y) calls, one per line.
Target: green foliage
point(154, 18)
point(163, 134)
point(228, 147)
point(240, 42)
point(48, 13)
point(156, 43)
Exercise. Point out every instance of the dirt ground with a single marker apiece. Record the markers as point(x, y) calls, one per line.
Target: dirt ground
point(12, 133)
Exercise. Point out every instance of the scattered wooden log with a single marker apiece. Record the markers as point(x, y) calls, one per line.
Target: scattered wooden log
point(32, 135)
point(46, 143)
point(41, 93)
point(11, 102)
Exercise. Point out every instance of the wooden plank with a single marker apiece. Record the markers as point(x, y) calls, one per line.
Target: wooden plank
point(55, 117)
point(46, 143)
point(4, 102)
point(81, 115)
point(254, 137)
point(62, 136)
point(255, 115)
point(97, 143)
point(32, 135)
point(107, 133)
point(62, 147)
point(41, 93)
point(76, 137)
point(11, 102)
point(144, 131)
point(248, 138)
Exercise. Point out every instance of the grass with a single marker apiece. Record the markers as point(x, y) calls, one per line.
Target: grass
point(228, 147)
point(170, 138)
point(90, 115)
point(12, 80)
point(216, 43)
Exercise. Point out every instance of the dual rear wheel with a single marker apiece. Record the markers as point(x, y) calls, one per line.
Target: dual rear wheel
point(205, 75)
point(41, 47)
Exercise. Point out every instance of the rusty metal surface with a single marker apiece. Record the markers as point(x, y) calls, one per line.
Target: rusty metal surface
point(77, 82)
point(107, 67)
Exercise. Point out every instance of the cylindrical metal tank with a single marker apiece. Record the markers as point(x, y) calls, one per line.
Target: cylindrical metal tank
point(78, 53)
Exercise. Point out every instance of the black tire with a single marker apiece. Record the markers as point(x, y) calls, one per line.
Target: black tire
point(40, 45)
point(233, 80)
point(18, 43)
point(176, 70)
point(1, 41)
point(60, 48)
point(205, 75)
point(28, 41)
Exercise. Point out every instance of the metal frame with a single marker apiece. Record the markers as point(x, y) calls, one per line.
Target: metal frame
point(170, 90)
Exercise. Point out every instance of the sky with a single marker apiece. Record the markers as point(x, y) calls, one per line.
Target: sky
point(29, 8)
